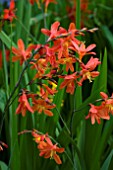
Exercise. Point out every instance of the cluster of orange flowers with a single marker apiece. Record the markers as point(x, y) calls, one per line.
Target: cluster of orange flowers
point(40, 105)
point(102, 111)
point(46, 148)
point(47, 60)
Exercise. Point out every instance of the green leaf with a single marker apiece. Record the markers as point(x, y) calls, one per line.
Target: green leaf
point(5, 72)
point(108, 35)
point(2, 99)
point(107, 161)
point(39, 17)
point(3, 166)
point(101, 80)
point(90, 146)
point(6, 40)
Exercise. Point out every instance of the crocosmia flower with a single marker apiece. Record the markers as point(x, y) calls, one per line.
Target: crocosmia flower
point(46, 148)
point(108, 102)
point(49, 150)
point(69, 82)
point(21, 53)
point(96, 113)
point(53, 32)
point(82, 50)
point(23, 104)
point(38, 137)
point(9, 14)
point(41, 105)
point(87, 71)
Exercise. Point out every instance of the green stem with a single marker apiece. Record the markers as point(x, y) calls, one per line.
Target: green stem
point(78, 14)
point(63, 121)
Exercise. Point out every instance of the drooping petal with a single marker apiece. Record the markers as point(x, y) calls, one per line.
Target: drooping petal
point(48, 112)
point(57, 159)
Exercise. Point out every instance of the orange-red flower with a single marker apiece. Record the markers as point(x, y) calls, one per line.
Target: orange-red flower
point(46, 92)
point(68, 61)
point(82, 50)
point(66, 40)
point(40, 66)
point(49, 150)
point(46, 148)
point(97, 113)
point(23, 104)
point(51, 55)
point(91, 64)
point(9, 14)
point(87, 70)
point(69, 81)
point(53, 33)
point(38, 137)
point(41, 105)
point(61, 44)
point(101, 112)
point(108, 102)
point(20, 52)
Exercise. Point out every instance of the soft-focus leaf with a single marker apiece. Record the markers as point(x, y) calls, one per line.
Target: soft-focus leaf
point(6, 40)
point(2, 99)
point(3, 166)
point(107, 161)
point(101, 80)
